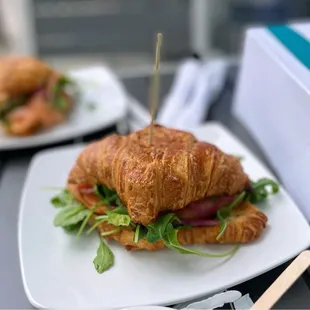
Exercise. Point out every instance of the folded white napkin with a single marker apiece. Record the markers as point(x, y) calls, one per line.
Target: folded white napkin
point(182, 86)
point(194, 87)
point(208, 84)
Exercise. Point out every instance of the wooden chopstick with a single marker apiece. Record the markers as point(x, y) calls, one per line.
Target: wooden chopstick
point(286, 279)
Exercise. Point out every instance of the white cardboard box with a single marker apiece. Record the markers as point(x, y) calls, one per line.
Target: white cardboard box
point(273, 101)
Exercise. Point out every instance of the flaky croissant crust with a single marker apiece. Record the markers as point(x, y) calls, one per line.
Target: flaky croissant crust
point(175, 170)
point(20, 75)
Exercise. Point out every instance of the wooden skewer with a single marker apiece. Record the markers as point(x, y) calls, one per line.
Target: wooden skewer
point(283, 282)
point(155, 86)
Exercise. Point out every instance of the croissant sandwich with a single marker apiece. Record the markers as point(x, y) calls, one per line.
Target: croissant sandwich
point(177, 191)
point(32, 96)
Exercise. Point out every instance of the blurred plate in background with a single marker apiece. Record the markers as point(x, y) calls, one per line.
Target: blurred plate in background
point(102, 103)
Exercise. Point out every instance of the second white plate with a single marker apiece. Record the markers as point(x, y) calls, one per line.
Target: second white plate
point(103, 103)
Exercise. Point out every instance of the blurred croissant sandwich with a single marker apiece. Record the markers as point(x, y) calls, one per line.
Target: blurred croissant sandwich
point(32, 96)
point(178, 191)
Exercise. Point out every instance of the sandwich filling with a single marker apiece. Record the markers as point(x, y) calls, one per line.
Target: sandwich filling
point(98, 205)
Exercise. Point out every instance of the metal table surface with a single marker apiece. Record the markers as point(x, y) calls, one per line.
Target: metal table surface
point(13, 169)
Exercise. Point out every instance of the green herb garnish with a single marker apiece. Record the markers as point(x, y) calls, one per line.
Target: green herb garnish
point(10, 104)
point(74, 217)
point(140, 233)
point(171, 241)
point(71, 215)
point(63, 199)
point(111, 232)
point(258, 193)
point(95, 225)
point(117, 217)
point(224, 213)
point(223, 222)
point(260, 190)
point(104, 259)
point(57, 97)
point(106, 195)
point(85, 222)
point(72, 228)
point(156, 230)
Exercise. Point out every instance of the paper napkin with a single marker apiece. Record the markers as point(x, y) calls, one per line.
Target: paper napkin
point(194, 87)
point(180, 92)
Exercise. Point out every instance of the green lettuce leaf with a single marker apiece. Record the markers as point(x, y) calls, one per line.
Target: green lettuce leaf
point(140, 233)
point(171, 241)
point(118, 219)
point(106, 195)
point(260, 190)
point(56, 97)
point(158, 229)
point(104, 259)
point(72, 228)
point(63, 199)
point(71, 215)
point(85, 222)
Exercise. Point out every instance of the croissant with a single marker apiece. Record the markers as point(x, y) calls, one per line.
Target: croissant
point(27, 96)
point(166, 176)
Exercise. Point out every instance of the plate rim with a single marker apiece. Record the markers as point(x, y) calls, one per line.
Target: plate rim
point(48, 152)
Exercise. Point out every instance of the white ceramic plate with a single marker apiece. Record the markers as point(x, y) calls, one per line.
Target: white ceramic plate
point(99, 88)
point(57, 269)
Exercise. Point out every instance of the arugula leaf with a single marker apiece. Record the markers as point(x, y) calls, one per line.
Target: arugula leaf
point(10, 104)
point(111, 232)
point(99, 192)
point(260, 191)
point(140, 233)
point(63, 199)
point(61, 103)
point(106, 195)
point(223, 221)
point(236, 201)
point(56, 96)
point(158, 229)
point(104, 259)
point(120, 210)
point(171, 241)
point(107, 192)
point(71, 215)
point(262, 183)
point(118, 219)
point(224, 213)
point(95, 225)
point(85, 222)
point(73, 227)
point(118, 202)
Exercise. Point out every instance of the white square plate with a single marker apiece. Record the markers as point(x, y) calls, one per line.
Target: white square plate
point(58, 272)
point(100, 88)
